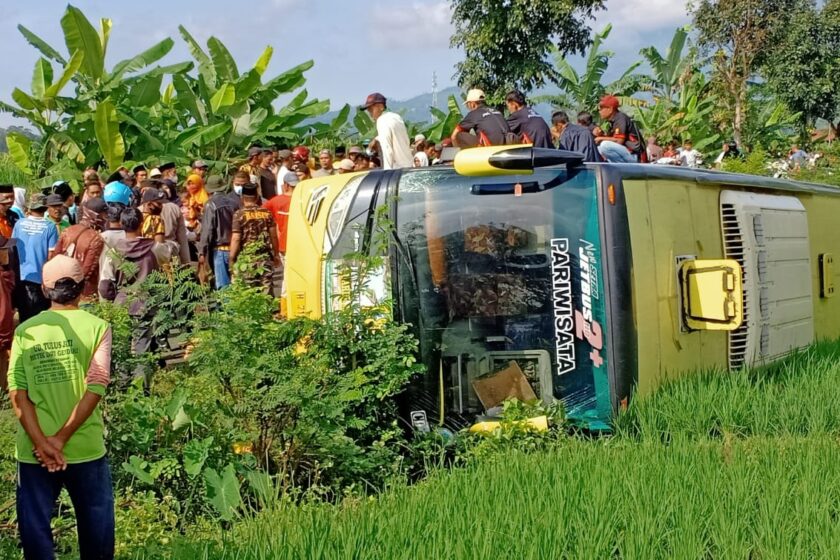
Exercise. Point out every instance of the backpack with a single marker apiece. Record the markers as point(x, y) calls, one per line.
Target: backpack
point(70, 247)
point(635, 142)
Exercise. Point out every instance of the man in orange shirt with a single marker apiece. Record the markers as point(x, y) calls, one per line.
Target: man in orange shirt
point(279, 208)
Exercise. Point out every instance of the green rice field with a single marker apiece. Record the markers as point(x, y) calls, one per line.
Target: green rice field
point(722, 465)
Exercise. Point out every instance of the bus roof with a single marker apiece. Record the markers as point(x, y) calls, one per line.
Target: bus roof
point(709, 176)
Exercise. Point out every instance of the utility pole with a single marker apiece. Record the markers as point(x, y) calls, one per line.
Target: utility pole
point(434, 89)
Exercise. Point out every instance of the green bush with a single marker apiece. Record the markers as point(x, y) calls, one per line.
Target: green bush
point(755, 163)
point(314, 398)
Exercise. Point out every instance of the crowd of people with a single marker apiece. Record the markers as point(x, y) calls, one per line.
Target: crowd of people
point(60, 249)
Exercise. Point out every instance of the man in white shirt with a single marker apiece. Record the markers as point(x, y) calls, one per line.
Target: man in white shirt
point(391, 133)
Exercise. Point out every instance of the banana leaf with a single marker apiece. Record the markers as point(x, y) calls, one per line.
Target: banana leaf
point(107, 129)
point(79, 35)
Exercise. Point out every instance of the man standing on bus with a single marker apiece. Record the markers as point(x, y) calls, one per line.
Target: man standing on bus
point(391, 134)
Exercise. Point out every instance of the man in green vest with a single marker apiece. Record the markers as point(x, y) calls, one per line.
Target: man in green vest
point(59, 368)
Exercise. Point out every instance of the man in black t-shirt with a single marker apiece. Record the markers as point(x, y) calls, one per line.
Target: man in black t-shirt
point(489, 125)
point(623, 144)
point(574, 137)
point(525, 122)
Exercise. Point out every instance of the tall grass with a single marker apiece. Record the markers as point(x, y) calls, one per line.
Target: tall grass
point(796, 396)
point(609, 499)
point(721, 465)
point(10, 174)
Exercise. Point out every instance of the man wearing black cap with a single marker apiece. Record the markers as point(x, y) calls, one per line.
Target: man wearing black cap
point(84, 243)
point(140, 173)
point(65, 191)
point(55, 212)
point(169, 176)
point(216, 223)
point(152, 205)
point(254, 226)
point(8, 218)
point(391, 134)
point(36, 239)
point(175, 229)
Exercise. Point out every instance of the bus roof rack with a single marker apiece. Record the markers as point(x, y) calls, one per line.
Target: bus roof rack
point(511, 160)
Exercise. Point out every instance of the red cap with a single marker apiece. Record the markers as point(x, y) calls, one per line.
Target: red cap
point(609, 102)
point(373, 99)
point(300, 153)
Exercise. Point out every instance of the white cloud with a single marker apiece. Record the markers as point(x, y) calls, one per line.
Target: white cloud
point(418, 24)
point(644, 15)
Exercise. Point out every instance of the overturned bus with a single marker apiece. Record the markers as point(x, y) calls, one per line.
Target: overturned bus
point(599, 280)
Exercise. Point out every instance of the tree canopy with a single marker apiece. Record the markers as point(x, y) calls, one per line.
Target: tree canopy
point(507, 44)
point(739, 33)
point(802, 70)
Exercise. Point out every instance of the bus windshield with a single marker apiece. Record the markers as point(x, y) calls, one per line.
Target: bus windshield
point(494, 270)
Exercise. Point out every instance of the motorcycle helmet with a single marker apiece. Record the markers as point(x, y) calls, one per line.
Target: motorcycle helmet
point(116, 191)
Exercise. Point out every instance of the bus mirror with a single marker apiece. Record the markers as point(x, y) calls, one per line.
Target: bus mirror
point(712, 294)
point(511, 160)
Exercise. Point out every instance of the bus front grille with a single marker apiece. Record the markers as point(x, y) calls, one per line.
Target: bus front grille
point(733, 244)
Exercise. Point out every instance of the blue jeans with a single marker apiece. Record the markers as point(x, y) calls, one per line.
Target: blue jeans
point(221, 264)
point(89, 486)
point(616, 153)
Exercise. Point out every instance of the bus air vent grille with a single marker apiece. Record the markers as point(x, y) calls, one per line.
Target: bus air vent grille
point(733, 242)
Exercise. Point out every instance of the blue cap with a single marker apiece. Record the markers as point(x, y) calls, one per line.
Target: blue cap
point(117, 192)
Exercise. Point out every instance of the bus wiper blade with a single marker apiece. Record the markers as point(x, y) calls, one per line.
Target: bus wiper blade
point(508, 188)
point(525, 187)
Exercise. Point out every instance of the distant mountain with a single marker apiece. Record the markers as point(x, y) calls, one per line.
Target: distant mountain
point(20, 130)
point(415, 109)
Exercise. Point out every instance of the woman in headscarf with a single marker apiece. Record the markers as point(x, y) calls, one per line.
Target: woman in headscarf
point(19, 207)
point(193, 205)
point(421, 159)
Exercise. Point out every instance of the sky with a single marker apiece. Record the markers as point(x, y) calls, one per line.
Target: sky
point(391, 46)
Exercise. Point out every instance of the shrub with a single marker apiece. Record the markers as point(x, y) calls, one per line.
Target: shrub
point(313, 398)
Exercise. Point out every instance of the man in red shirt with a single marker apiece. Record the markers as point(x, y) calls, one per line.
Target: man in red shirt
point(279, 207)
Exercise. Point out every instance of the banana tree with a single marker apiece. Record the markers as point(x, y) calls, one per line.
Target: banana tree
point(688, 117)
point(669, 72)
point(220, 111)
point(90, 125)
point(770, 124)
point(581, 92)
point(445, 123)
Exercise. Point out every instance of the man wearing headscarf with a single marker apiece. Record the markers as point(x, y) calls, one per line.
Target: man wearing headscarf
point(421, 159)
point(84, 243)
